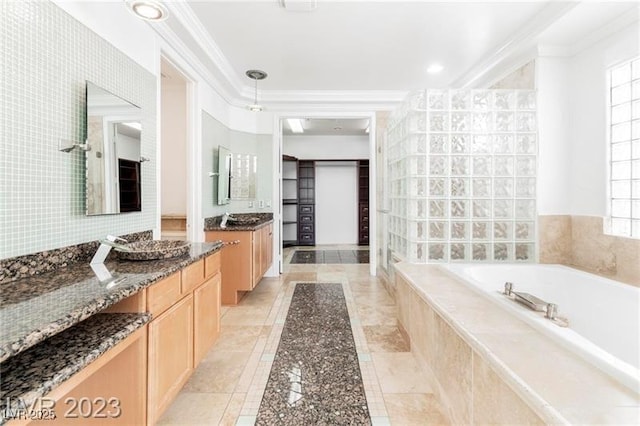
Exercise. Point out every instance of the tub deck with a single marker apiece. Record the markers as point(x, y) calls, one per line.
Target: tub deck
point(490, 367)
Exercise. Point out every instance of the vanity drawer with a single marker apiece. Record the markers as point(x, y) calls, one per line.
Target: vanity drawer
point(306, 238)
point(163, 294)
point(212, 264)
point(306, 228)
point(192, 276)
point(306, 219)
point(308, 208)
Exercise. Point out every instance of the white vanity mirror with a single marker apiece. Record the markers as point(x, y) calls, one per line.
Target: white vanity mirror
point(224, 174)
point(113, 157)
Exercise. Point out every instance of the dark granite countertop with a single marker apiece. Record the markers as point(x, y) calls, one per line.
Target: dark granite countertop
point(246, 222)
point(43, 367)
point(35, 308)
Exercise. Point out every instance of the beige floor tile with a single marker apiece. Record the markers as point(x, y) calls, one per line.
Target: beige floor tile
point(410, 409)
point(237, 338)
point(246, 315)
point(366, 286)
point(300, 268)
point(375, 297)
point(218, 372)
point(230, 380)
point(377, 315)
point(300, 276)
point(384, 338)
point(399, 373)
point(233, 409)
point(196, 409)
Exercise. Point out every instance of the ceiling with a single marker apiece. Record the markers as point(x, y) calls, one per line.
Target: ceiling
point(347, 50)
point(359, 45)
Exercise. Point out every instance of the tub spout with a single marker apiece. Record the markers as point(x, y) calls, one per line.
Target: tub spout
point(508, 288)
point(552, 311)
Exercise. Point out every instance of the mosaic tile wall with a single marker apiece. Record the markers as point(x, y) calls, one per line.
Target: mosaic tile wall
point(47, 57)
point(462, 169)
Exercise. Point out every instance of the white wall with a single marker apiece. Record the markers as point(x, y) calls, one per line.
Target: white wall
point(128, 148)
point(554, 158)
point(174, 149)
point(588, 125)
point(327, 147)
point(336, 203)
point(572, 114)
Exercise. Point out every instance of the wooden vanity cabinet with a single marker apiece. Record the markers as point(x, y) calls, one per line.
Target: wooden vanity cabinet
point(246, 257)
point(113, 388)
point(186, 310)
point(206, 317)
point(146, 370)
point(170, 356)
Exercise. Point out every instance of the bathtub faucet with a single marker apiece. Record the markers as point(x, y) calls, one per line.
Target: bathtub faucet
point(552, 310)
point(508, 288)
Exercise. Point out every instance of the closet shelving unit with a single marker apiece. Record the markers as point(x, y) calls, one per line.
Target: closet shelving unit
point(289, 201)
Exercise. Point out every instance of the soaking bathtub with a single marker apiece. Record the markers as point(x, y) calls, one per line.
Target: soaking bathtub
point(603, 315)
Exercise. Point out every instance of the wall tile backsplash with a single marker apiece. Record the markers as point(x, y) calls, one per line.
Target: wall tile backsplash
point(47, 57)
point(580, 241)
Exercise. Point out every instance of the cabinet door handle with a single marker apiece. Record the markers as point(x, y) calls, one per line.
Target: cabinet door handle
point(231, 243)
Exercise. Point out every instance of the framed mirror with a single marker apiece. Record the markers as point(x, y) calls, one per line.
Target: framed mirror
point(224, 175)
point(114, 131)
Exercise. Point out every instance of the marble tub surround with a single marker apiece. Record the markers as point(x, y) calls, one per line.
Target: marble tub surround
point(263, 219)
point(40, 369)
point(580, 241)
point(15, 268)
point(489, 367)
point(36, 308)
point(315, 377)
point(554, 239)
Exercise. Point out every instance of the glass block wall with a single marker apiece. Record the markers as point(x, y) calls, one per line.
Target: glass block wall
point(462, 169)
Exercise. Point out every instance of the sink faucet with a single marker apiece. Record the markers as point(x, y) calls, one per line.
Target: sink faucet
point(225, 217)
point(105, 247)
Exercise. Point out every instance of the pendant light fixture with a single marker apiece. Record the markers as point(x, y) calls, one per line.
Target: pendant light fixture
point(256, 75)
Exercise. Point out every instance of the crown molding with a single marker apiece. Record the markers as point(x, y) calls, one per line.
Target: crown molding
point(323, 100)
point(172, 40)
point(187, 17)
point(523, 40)
point(238, 94)
point(617, 24)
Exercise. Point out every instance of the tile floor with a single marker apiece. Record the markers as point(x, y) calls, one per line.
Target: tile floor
point(227, 387)
point(329, 256)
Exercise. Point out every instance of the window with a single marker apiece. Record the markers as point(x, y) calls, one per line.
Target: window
point(624, 153)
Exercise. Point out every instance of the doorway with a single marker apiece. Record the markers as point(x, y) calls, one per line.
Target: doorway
point(174, 183)
point(335, 147)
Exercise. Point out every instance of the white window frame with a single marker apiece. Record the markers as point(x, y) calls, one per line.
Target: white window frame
point(623, 177)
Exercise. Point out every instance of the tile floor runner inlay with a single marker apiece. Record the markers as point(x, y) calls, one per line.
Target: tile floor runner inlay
point(315, 377)
point(330, 256)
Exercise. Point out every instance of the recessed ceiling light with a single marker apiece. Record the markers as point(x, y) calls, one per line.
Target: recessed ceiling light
point(434, 68)
point(149, 10)
point(296, 125)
